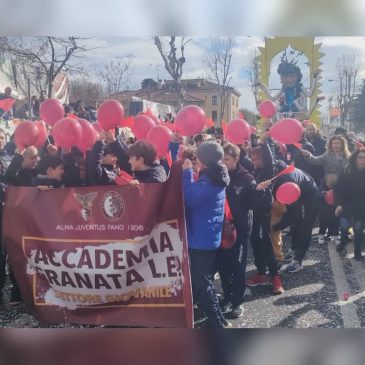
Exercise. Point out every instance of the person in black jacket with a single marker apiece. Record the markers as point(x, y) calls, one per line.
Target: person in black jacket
point(50, 173)
point(232, 262)
point(22, 168)
point(314, 137)
point(261, 231)
point(300, 216)
point(143, 161)
point(5, 161)
point(350, 201)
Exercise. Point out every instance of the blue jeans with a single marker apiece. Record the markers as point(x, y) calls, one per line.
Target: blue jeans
point(203, 265)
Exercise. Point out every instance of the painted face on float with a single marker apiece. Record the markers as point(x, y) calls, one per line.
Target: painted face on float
point(288, 80)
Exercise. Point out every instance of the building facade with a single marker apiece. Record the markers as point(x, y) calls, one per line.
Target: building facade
point(200, 92)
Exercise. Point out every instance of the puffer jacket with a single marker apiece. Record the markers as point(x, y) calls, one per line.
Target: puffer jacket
point(155, 174)
point(204, 206)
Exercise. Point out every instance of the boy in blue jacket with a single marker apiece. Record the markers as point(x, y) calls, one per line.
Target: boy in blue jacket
point(204, 204)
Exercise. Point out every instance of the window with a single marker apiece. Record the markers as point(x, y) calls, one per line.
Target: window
point(214, 100)
point(214, 115)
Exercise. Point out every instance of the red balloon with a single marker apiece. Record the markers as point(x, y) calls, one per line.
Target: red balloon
point(67, 133)
point(97, 127)
point(110, 114)
point(88, 137)
point(160, 136)
point(253, 129)
point(42, 133)
point(267, 109)
point(306, 122)
point(190, 120)
point(287, 131)
point(288, 193)
point(238, 131)
point(142, 125)
point(51, 111)
point(329, 197)
point(26, 134)
point(282, 148)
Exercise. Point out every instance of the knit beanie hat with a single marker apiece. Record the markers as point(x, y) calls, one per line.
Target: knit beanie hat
point(210, 153)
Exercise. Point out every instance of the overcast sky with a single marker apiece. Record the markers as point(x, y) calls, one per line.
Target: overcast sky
point(147, 62)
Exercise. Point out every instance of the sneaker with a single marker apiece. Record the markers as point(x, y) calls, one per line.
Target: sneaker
point(227, 324)
point(258, 279)
point(236, 312)
point(320, 239)
point(277, 285)
point(294, 266)
point(199, 316)
point(225, 306)
point(289, 256)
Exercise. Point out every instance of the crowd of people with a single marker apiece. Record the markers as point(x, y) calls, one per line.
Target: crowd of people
point(223, 184)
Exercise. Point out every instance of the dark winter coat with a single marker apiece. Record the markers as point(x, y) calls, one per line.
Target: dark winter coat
point(18, 176)
point(241, 193)
point(98, 173)
point(309, 194)
point(155, 174)
point(350, 194)
point(43, 180)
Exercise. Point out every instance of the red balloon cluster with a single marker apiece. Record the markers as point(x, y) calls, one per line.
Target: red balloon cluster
point(238, 131)
point(142, 125)
point(51, 111)
point(88, 137)
point(26, 134)
point(42, 134)
point(110, 114)
point(287, 131)
point(160, 136)
point(267, 109)
point(67, 133)
point(288, 193)
point(190, 120)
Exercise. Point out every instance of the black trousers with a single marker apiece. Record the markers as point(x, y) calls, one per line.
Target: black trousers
point(232, 270)
point(261, 243)
point(302, 228)
point(328, 222)
point(203, 264)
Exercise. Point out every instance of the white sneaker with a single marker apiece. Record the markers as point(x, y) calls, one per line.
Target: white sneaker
point(320, 239)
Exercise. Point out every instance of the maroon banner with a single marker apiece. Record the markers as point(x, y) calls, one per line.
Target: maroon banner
point(113, 255)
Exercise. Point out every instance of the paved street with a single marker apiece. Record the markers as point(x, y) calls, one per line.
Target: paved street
point(313, 297)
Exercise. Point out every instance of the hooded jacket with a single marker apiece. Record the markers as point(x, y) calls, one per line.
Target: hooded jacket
point(204, 204)
point(241, 193)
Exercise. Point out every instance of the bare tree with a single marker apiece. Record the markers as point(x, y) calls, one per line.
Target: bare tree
point(46, 56)
point(347, 77)
point(82, 87)
point(218, 58)
point(253, 76)
point(174, 64)
point(115, 76)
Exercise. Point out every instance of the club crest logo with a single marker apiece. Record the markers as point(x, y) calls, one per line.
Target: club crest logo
point(112, 205)
point(86, 204)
